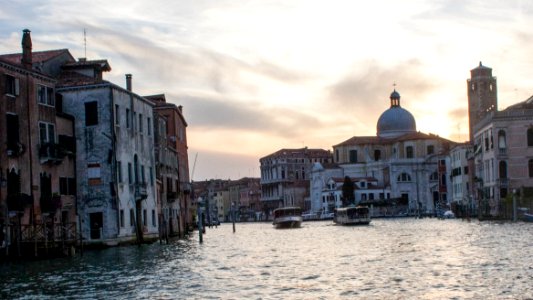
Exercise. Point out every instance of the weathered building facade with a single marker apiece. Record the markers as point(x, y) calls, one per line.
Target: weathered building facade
point(37, 154)
point(115, 161)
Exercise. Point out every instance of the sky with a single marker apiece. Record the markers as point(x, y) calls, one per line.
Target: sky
point(257, 76)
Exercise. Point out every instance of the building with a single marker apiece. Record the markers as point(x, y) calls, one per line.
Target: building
point(37, 161)
point(172, 165)
point(115, 159)
point(482, 96)
point(400, 161)
point(285, 176)
point(461, 197)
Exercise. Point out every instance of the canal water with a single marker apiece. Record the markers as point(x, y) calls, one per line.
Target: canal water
point(390, 259)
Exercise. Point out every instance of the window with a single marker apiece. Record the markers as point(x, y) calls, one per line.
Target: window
point(371, 196)
point(117, 115)
point(434, 176)
point(13, 137)
point(119, 171)
point(140, 123)
point(430, 149)
point(530, 165)
point(132, 218)
point(503, 169)
point(149, 126)
point(91, 113)
point(45, 95)
point(67, 186)
point(502, 144)
point(336, 155)
point(353, 156)
point(127, 118)
point(404, 177)
point(154, 221)
point(122, 218)
point(530, 137)
point(409, 152)
point(46, 133)
point(93, 173)
point(12, 85)
point(130, 174)
point(145, 220)
point(377, 155)
point(151, 176)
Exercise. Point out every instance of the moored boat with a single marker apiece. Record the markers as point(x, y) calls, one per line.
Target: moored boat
point(287, 217)
point(352, 215)
point(528, 217)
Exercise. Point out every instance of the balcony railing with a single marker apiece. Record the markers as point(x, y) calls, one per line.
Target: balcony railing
point(504, 182)
point(171, 196)
point(51, 152)
point(15, 149)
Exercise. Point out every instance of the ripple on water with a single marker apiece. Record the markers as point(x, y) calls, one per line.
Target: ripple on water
point(392, 259)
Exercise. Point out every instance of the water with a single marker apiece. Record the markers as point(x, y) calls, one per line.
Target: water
point(390, 259)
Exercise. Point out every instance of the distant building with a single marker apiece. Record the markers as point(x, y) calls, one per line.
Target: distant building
point(37, 155)
point(461, 197)
point(285, 176)
point(408, 165)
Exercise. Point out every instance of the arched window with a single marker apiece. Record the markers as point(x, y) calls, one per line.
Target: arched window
point(409, 152)
point(13, 182)
point(502, 143)
point(503, 169)
point(530, 137)
point(404, 177)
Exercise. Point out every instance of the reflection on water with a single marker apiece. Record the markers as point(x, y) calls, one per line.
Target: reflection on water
point(390, 259)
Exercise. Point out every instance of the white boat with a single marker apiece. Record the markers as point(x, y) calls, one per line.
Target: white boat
point(352, 215)
point(287, 217)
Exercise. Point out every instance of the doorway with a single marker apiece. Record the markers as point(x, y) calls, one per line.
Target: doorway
point(95, 222)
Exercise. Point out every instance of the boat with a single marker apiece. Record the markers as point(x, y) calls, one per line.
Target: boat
point(352, 215)
point(288, 217)
point(528, 217)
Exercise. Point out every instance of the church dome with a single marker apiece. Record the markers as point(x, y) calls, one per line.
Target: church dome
point(395, 121)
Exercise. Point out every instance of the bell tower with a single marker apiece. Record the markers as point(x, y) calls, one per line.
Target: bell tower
point(482, 96)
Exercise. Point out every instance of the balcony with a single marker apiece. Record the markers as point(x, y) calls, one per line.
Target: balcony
point(504, 182)
point(140, 191)
point(15, 149)
point(171, 196)
point(51, 153)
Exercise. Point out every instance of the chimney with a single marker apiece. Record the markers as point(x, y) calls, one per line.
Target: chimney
point(180, 108)
point(128, 82)
point(26, 49)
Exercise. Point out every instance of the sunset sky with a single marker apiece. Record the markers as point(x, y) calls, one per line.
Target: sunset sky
point(257, 76)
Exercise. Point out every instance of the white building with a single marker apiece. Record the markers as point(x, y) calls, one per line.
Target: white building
point(409, 164)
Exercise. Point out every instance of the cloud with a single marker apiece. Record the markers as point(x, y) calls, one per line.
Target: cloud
point(366, 90)
point(210, 113)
